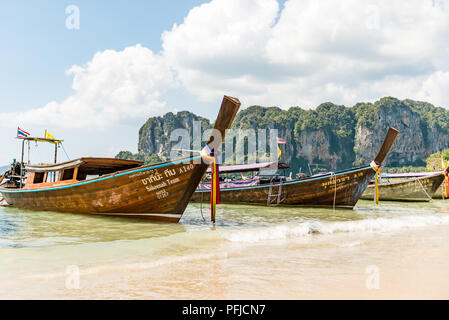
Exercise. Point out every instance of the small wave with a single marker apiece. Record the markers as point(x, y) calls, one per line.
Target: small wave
point(13, 245)
point(141, 265)
point(350, 244)
point(317, 227)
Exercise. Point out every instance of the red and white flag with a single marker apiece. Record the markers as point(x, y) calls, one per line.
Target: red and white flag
point(280, 141)
point(22, 133)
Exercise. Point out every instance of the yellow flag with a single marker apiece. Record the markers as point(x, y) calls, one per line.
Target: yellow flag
point(279, 152)
point(49, 136)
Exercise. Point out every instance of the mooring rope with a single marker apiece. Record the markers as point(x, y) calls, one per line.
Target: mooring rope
point(65, 151)
point(201, 206)
point(209, 157)
point(430, 198)
point(335, 189)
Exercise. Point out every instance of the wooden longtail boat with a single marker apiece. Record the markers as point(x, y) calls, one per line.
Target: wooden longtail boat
point(123, 188)
point(339, 189)
point(413, 188)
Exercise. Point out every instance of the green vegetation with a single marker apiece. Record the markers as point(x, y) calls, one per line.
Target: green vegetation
point(438, 161)
point(329, 136)
point(433, 163)
point(433, 117)
point(404, 169)
point(367, 113)
point(128, 155)
point(337, 119)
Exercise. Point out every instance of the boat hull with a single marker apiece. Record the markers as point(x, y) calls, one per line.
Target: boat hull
point(159, 192)
point(418, 189)
point(342, 189)
point(439, 194)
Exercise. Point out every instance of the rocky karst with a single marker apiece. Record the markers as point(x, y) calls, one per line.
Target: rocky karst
point(329, 137)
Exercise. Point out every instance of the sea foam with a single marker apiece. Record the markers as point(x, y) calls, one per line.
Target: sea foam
point(306, 228)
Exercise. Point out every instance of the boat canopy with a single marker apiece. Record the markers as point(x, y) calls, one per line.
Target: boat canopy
point(90, 166)
point(36, 139)
point(252, 167)
point(409, 174)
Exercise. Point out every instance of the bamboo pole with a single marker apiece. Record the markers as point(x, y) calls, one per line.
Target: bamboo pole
point(56, 157)
point(21, 163)
point(377, 188)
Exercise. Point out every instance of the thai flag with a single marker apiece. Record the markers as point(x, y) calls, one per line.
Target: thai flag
point(22, 133)
point(280, 141)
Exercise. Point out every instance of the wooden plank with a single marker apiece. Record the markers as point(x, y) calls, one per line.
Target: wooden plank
point(53, 167)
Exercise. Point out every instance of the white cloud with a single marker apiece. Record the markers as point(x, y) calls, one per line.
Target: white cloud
point(220, 46)
point(303, 54)
point(312, 51)
point(114, 87)
point(435, 88)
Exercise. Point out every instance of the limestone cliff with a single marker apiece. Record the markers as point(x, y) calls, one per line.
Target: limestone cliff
point(420, 134)
point(329, 137)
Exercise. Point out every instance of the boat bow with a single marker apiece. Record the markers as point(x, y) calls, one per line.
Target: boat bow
point(389, 140)
point(228, 111)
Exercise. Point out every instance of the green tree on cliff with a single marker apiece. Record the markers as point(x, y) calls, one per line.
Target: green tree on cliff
point(434, 163)
point(325, 136)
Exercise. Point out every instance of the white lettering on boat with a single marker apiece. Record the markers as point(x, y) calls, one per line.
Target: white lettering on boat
point(173, 181)
point(333, 181)
point(141, 173)
point(169, 172)
point(155, 187)
point(185, 168)
point(152, 178)
point(162, 194)
point(155, 177)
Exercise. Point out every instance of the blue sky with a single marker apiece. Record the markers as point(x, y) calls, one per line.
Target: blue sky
point(38, 48)
point(94, 87)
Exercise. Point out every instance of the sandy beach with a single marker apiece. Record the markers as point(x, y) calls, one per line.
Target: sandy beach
point(391, 251)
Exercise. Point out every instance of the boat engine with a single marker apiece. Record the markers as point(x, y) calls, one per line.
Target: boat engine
point(14, 175)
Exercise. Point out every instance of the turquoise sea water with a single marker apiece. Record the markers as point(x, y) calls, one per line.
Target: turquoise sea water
point(252, 252)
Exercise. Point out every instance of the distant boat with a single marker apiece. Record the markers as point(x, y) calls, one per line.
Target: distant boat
point(419, 186)
point(123, 188)
point(339, 189)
